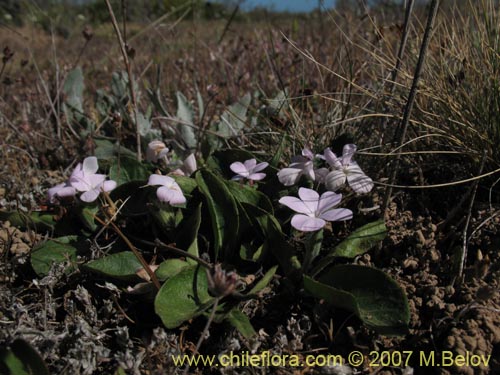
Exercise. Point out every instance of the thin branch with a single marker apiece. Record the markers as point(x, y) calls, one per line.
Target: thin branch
point(463, 253)
point(129, 73)
point(413, 93)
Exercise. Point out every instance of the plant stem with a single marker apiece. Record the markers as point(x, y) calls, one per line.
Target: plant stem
point(463, 253)
point(205, 331)
point(411, 97)
point(399, 60)
point(313, 247)
point(130, 79)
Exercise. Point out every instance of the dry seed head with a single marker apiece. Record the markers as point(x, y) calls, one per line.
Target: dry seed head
point(220, 282)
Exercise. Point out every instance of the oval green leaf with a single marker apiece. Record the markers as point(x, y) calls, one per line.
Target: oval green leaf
point(57, 250)
point(369, 293)
point(123, 265)
point(183, 297)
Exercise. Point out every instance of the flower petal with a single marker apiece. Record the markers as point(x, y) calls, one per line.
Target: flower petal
point(320, 174)
point(90, 195)
point(52, 192)
point(306, 223)
point(335, 180)
point(239, 168)
point(259, 167)
point(296, 204)
point(189, 166)
point(327, 201)
point(158, 179)
point(358, 181)
point(331, 158)
point(172, 196)
point(336, 214)
point(164, 194)
point(66, 192)
point(177, 198)
point(289, 176)
point(348, 153)
point(108, 185)
point(310, 198)
point(90, 165)
point(257, 176)
point(250, 164)
point(308, 154)
point(95, 180)
point(79, 183)
point(309, 170)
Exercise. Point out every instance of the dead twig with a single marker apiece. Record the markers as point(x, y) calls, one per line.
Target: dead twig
point(411, 97)
point(123, 48)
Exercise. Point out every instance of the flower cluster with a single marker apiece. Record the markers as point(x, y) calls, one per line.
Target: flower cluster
point(84, 179)
point(341, 169)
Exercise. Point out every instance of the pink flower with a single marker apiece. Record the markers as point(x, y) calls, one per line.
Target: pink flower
point(169, 190)
point(314, 211)
point(157, 150)
point(301, 165)
point(249, 169)
point(345, 169)
point(83, 179)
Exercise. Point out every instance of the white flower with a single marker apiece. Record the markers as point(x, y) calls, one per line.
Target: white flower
point(249, 169)
point(157, 150)
point(345, 169)
point(301, 165)
point(314, 211)
point(169, 191)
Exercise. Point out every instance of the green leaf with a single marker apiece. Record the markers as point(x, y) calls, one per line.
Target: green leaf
point(275, 241)
point(369, 293)
point(262, 283)
point(106, 150)
point(73, 91)
point(145, 128)
point(241, 322)
point(183, 297)
point(187, 184)
point(361, 240)
point(57, 250)
point(186, 124)
point(188, 233)
point(22, 359)
point(279, 152)
point(123, 265)
point(244, 193)
point(358, 242)
point(170, 267)
point(222, 208)
point(37, 219)
point(11, 365)
point(125, 169)
point(234, 118)
point(86, 213)
point(164, 216)
point(120, 371)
